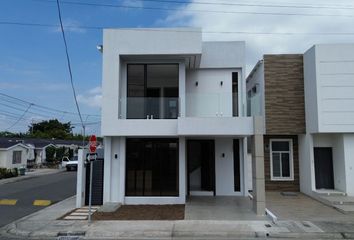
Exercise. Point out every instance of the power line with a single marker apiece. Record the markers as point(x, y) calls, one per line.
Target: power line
point(169, 30)
point(250, 4)
point(69, 65)
point(196, 10)
point(22, 102)
point(20, 118)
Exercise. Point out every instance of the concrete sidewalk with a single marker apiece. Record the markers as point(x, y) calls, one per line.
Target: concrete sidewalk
point(32, 174)
point(43, 225)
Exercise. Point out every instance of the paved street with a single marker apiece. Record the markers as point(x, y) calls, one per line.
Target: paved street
point(17, 199)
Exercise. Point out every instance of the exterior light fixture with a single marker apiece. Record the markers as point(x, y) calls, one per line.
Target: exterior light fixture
point(100, 48)
point(196, 83)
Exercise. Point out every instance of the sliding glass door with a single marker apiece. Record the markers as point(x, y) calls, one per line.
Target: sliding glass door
point(152, 91)
point(151, 167)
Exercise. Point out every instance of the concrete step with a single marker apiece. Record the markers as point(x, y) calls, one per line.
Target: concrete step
point(344, 208)
point(329, 192)
point(339, 200)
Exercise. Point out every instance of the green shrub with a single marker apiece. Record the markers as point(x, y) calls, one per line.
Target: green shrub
point(50, 154)
point(8, 173)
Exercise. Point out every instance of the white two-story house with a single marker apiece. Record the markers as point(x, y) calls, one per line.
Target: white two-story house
point(173, 117)
point(328, 146)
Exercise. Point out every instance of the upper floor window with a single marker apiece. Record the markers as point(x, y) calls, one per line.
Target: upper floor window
point(152, 91)
point(16, 157)
point(235, 94)
point(281, 159)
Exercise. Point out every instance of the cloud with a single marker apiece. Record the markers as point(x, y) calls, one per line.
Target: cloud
point(132, 3)
point(257, 44)
point(91, 98)
point(33, 85)
point(71, 25)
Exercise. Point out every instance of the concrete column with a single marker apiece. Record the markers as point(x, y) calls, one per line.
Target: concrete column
point(81, 178)
point(182, 169)
point(107, 141)
point(122, 160)
point(245, 167)
point(182, 90)
point(258, 180)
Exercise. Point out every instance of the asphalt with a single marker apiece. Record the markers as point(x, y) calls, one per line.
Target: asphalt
point(52, 187)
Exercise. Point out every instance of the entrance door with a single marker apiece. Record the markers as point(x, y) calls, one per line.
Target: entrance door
point(323, 168)
point(201, 165)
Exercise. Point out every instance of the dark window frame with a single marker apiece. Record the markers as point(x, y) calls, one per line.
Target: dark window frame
point(141, 143)
point(145, 65)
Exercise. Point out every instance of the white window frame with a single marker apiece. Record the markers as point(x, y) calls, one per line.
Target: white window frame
point(13, 156)
point(291, 159)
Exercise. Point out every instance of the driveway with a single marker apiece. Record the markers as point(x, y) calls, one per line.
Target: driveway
point(303, 208)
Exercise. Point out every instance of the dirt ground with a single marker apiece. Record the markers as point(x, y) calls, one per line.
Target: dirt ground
point(143, 212)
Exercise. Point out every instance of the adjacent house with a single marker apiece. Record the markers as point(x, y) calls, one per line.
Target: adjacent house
point(174, 118)
point(275, 90)
point(328, 146)
point(13, 154)
point(307, 101)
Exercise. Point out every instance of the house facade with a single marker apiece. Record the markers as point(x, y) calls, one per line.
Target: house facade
point(174, 117)
point(307, 103)
point(329, 139)
point(13, 154)
point(275, 90)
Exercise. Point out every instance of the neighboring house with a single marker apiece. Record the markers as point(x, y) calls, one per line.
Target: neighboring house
point(174, 118)
point(275, 90)
point(13, 154)
point(328, 155)
point(37, 147)
point(323, 96)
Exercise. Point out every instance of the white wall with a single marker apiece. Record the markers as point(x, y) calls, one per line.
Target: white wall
point(3, 158)
point(148, 42)
point(6, 157)
point(339, 163)
point(257, 102)
point(209, 98)
point(306, 164)
point(223, 54)
point(348, 140)
point(224, 167)
point(329, 87)
point(310, 91)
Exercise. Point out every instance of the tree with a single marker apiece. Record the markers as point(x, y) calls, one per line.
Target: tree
point(50, 154)
point(51, 129)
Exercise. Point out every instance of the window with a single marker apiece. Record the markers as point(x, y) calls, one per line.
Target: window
point(152, 91)
point(151, 167)
point(281, 159)
point(16, 157)
point(235, 94)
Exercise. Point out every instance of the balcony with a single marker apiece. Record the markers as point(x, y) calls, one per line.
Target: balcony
point(149, 108)
point(205, 114)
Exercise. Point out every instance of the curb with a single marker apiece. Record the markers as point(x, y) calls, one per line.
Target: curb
point(11, 230)
point(26, 177)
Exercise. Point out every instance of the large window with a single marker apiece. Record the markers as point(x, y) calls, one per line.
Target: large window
point(152, 167)
point(281, 159)
point(16, 157)
point(152, 91)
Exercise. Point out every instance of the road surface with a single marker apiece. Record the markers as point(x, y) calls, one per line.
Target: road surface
point(17, 199)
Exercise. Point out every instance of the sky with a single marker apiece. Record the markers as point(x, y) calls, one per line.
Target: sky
point(33, 65)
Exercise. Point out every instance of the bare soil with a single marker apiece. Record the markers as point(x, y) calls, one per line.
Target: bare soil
point(143, 212)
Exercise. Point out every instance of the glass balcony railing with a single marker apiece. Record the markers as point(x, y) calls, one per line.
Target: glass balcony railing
point(254, 105)
point(194, 105)
point(149, 108)
point(212, 105)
